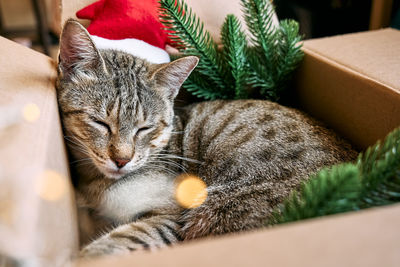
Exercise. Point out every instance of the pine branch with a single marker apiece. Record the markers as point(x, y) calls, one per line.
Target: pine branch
point(258, 15)
point(237, 69)
point(190, 37)
point(263, 83)
point(330, 191)
point(196, 83)
point(234, 47)
point(276, 52)
point(373, 181)
point(289, 52)
point(380, 170)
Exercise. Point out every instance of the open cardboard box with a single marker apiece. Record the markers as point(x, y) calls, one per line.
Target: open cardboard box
point(351, 82)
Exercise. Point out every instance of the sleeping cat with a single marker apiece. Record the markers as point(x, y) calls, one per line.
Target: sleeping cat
point(128, 146)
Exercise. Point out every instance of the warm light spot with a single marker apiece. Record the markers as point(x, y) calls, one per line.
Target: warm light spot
point(6, 210)
point(51, 186)
point(31, 112)
point(191, 191)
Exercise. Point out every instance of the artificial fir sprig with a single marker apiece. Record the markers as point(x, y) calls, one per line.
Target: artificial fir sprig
point(373, 181)
point(276, 50)
point(380, 172)
point(233, 70)
point(289, 53)
point(234, 56)
point(330, 191)
point(190, 38)
point(259, 15)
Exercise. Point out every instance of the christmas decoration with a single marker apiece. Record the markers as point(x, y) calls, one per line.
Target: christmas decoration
point(128, 25)
point(374, 180)
point(241, 69)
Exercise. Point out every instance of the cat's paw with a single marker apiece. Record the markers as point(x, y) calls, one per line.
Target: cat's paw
point(104, 246)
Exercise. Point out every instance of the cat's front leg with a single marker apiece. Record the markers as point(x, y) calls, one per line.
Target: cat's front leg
point(150, 233)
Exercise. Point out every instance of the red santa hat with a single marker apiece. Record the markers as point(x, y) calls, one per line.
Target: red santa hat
point(131, 26)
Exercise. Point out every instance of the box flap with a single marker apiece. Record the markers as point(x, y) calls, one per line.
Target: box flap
point(37, 212)
point(351, 82)
point(374, 54)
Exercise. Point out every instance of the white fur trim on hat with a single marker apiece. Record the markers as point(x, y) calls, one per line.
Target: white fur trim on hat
point(135, 47)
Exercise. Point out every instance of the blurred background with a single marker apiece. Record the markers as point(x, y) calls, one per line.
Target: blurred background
point(319, 18)
point(35, 23)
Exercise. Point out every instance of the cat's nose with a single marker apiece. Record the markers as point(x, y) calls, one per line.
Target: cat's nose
point(121, 162)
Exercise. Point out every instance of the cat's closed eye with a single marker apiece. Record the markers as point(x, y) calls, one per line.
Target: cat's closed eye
point(144, 129)
point(102, 124)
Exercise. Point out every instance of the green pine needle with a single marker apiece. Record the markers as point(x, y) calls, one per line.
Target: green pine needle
point(234, 53)
point(196, 84)
point(373, 181)
point(190, 37)
point(380, 170)
point(276, 50)
point(258, 15)
point(237, 69)
point(289, 53)
point(258, 77)
point(330, 191)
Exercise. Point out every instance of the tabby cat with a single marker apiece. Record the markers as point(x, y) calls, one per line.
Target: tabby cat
point(128, 145)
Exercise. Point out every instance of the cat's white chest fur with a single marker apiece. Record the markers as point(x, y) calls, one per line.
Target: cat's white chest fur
point(136, 195)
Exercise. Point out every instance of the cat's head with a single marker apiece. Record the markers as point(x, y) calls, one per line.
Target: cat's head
point(117, 110)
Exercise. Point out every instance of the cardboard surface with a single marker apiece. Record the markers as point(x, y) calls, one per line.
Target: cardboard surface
point(374, 54)
point(36, 224)
point(367, 238)
point(352, 83)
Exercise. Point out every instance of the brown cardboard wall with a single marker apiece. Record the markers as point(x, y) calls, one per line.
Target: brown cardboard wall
point(351, 82)
point(39, 224)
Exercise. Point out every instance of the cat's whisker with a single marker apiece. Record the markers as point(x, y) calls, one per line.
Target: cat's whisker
point(80, 164)
point(171, 163)
point(160, 162)
point(75, 140)
point(80, 149)
point(172, 156)
point(77, 144)
point(80, 146)
point(81, 160)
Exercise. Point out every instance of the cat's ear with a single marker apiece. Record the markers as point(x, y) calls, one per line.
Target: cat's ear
point(170, 77)
point(78, 54)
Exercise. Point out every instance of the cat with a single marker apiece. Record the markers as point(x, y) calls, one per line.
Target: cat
point(128, 145)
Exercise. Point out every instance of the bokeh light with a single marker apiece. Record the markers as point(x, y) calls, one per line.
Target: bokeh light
point(51, 186)
point(31, 112)
point(6, 209)
point(190, 191)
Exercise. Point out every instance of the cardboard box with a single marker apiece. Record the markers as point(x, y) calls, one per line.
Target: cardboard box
point(350, 82)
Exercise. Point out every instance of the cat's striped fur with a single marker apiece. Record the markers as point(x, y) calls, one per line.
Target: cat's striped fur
point(118, 108)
